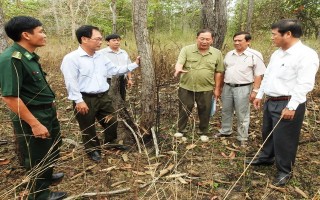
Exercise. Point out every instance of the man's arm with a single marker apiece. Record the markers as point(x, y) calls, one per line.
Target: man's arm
point(256, 86)
point(178, 69)
point(129, 80)
point(17, 106)
point(218, 79)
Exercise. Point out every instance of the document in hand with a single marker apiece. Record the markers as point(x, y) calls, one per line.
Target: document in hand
point(213, 106)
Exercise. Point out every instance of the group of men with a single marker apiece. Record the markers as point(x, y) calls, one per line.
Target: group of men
point(31, 101)
point(242, 77)
point(288, 78)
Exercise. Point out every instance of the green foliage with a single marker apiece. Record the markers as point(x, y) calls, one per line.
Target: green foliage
point(267, 12)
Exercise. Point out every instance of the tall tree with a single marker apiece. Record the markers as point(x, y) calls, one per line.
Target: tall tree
point(113, 8)
point(249, 15)
point(214, 17)
point(147, 70)
point(3, 41)
point(240, 15)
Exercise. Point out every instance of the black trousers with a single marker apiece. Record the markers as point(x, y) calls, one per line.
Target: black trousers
point(283, 142)
point(100, 108)
point(186, 103)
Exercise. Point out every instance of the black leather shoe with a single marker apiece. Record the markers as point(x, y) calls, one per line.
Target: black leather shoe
point(56, 178)
point(57, 195)
point(281, 179)
point(95, 156)
point(258, 162)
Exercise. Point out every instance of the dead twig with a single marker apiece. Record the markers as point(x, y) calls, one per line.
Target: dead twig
point(134, 134)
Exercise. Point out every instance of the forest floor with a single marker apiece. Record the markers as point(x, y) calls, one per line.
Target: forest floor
point(189, 169)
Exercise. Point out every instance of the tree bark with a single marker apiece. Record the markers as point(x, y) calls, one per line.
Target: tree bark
point(214, 17)
point(113, 8)
point(3, 39)
point(250, 14)
point(147, 70)
point(240, 15)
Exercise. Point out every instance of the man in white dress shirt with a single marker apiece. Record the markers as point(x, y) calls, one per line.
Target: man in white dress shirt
point(119, 57)
point(85, 72)
point(290, 75)
point(244, 69)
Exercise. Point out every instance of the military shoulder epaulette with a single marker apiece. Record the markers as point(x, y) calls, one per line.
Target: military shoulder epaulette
point(17, 55)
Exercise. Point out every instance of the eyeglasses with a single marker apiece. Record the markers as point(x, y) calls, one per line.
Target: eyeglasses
point(99, 39)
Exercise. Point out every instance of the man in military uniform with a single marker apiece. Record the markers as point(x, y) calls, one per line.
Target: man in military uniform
point(31, 101)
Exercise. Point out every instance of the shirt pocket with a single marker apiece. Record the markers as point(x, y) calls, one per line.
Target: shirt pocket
point(36, 76)
point(191, 63)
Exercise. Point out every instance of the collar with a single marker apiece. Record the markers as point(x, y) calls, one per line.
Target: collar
point(246, 52)
point(83, 53)
point(195, 49)
point(294, 48)
point(25, 52)
point(109, 50)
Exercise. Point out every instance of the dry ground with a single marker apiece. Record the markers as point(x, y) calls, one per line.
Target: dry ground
point(195, 170)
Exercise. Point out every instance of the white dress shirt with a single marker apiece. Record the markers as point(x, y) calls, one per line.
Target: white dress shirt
point(85, 73)
point(119, 58)
point(242, 68)
point(290, 73)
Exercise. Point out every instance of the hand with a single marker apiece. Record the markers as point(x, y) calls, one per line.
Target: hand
point(178, 71)
point(137, 60)
point(40, 131)
point(129, 83)
point(257, 103)
point(288, 114)
point(217, 92)
point(252, 96)
point(82, 108)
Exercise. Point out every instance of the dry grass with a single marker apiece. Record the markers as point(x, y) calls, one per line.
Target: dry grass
point(196, 170)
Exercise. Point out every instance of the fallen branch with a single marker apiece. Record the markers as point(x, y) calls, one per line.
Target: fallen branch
point(155, 142)
point(280, 189)
point(133, 133)
point(80, 174)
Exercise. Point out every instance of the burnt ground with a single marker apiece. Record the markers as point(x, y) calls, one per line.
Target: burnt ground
point(188, 169)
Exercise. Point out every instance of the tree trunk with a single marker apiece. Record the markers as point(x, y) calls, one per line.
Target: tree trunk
point(249, 16)
point(55, 15)
point(3, 40)
point(214, 17)
point(240, 15)
point(113, 8)
point(147, 70)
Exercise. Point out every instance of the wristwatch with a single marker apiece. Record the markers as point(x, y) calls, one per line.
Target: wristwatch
point(255, 90)
point(291, 108)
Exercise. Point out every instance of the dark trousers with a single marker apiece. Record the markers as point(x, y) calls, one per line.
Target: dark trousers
point(39, 154)
point(186, 103)
point(283, 142)
point(100, 108)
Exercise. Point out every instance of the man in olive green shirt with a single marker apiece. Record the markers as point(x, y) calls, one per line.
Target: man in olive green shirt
point(31, 101)
point(201, 68)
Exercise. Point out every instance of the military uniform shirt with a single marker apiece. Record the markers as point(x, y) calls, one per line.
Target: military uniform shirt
point(21, 76)
point(201, 68)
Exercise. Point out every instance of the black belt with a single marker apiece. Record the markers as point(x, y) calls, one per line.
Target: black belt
point(280, 98)
point(41, 106)
point(238, 85)
point(93, 94)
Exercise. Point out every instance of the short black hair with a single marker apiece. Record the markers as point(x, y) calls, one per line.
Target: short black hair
point(19, 24)
point(285, 25)
point(247, 35)
point(85, 31)
point(113, 36)
point(205, 30)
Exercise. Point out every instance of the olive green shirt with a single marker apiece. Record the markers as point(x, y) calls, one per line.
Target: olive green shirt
point(201, 68)
point(21, 76)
